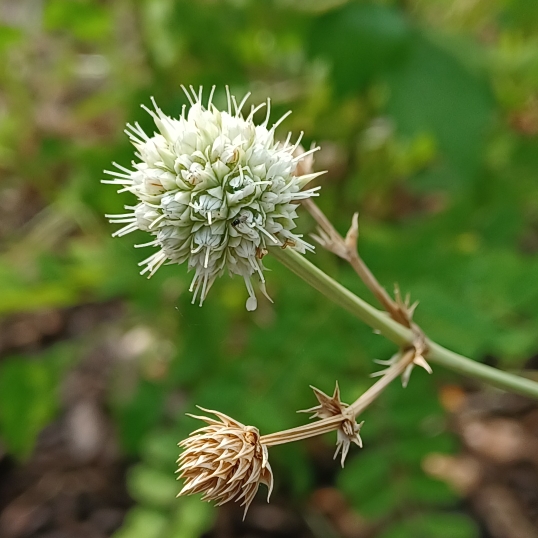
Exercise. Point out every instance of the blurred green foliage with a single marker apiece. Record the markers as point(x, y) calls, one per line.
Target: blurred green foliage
point(28, 399)
point(428, 116)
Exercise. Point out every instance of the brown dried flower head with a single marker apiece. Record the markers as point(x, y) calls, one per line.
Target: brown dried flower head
point(225, 461)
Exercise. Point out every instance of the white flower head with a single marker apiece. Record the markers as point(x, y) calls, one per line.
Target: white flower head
point(214, 190)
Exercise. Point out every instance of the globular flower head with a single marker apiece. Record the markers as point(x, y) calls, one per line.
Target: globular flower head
point(214, 190)
point(225, 461)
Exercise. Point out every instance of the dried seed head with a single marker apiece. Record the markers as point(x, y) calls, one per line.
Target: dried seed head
point(331, 406)
point(225, 461)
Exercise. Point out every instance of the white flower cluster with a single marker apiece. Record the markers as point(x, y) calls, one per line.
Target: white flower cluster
point(215, 190)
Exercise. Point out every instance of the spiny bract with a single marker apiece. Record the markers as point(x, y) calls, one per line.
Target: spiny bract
point(225, 460)
point(215, 190)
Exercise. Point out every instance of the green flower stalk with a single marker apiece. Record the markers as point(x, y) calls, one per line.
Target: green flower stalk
point(218, 192)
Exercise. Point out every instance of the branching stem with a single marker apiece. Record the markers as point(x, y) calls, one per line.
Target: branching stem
point(397, 333)
point(358, 406)
point(346, 248)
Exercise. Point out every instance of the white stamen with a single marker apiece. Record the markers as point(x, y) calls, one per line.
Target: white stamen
point(228, 100)
point(296, 145)
point(156, 221)
point(122, 221)
point(263, 230)
point(254, 109)
point(306, 153)
point(186, 92)
point(274, 127)
point(150, 244)
point(243, 101)
point(204, 289)
point(210, 100)
point(147, 261)
point(266, 122)
point(116, 181)
point(125, 230)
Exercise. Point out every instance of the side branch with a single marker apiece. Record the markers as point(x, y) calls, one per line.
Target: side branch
point(326, 425)
point(400, 335)
point(397, 333)
point(346, 248)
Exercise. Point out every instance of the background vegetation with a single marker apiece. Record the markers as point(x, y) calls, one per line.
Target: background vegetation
point(427, 113)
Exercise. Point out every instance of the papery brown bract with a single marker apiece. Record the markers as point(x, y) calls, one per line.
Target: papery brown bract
point(331, 406)
point(225, 461)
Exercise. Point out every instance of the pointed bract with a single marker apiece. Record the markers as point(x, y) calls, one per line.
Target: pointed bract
point(331, 406)
point(225, 461)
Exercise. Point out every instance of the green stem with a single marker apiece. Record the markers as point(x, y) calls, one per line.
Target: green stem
point(395, 332)
point(498, 378)
point(322, 282)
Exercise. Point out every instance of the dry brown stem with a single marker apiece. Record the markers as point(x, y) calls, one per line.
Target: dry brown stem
point(340, 412)
point(399, 309)
point(346, 248)
point(227, 461)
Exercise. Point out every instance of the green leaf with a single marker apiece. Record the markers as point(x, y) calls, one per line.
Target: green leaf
point(28, 398)
point(434, 93)
point(152, 487)
point(160, 449)
point(85, 19)
point(360, 41)
point(521, 14)
point(428, 491)
point(143, 523)
point(438, 525)
point(366, 480)
point(137, 414)
point(9, 36)
point(192, 518)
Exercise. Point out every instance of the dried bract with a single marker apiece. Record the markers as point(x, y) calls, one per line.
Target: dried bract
point(417, 359)
point(225, 461)
point(331, 406)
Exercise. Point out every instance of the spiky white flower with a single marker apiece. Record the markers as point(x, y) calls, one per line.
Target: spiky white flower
point(214, 190)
